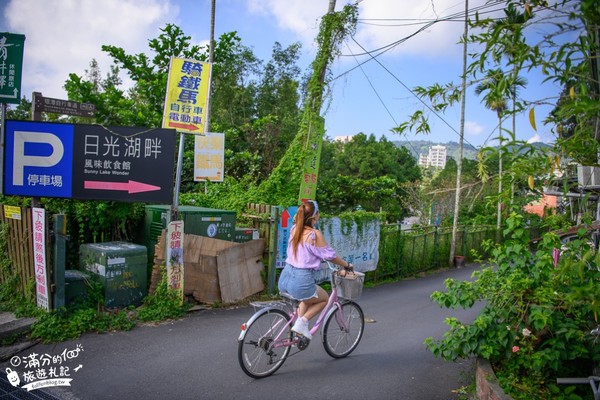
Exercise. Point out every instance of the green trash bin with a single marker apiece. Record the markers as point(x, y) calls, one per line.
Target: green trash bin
point(121, 268)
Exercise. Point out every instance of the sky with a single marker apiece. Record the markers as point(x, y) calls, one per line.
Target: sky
point(368, 96)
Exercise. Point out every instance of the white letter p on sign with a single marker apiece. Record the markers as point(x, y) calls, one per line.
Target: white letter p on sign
point(21, 160)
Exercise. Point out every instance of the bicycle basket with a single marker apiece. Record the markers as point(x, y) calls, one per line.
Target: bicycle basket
point(349, 286)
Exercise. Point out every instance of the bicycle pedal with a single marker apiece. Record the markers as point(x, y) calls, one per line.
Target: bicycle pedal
point(302, 343)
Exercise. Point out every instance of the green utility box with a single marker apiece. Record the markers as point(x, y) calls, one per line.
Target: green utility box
point(121, 268)
point(243, 235)
point(200, 221)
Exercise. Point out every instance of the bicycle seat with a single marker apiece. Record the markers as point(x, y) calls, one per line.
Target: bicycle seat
point(289, 298)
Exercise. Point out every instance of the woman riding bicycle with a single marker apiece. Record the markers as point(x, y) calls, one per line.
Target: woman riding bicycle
point(307, 248)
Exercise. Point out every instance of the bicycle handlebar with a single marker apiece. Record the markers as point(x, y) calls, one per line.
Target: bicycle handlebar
point(335, 268)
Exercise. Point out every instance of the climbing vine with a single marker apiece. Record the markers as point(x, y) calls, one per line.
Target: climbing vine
point(283, 184)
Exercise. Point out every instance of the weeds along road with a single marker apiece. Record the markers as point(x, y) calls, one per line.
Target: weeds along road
point(196, 357)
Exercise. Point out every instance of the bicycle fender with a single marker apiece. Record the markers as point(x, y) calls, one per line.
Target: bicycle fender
point(332, 310)
point(253, 318)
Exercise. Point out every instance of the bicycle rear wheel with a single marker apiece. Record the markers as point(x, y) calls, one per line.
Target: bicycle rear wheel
point(343, 330)
point(257, 353)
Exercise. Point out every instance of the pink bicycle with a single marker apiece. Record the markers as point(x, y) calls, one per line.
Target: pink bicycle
point(267, 339)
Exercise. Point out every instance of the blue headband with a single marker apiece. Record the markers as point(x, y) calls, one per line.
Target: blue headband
point(316, 207)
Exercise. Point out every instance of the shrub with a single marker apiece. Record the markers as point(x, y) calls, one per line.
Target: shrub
point(536, 316)
point(164, 303)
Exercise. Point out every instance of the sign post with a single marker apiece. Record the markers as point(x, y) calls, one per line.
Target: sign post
point(39, 256)
point(58, 106)
point(187, 95)
point(186, 101)
point(11, 66)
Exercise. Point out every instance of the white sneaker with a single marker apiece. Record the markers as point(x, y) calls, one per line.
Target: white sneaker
point(301, 327)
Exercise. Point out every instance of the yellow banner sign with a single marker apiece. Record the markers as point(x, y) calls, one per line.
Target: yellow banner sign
point(209, 157)
point(310, 176)
point(186, 102)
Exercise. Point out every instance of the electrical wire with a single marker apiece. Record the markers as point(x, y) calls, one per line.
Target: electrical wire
point(457, 17)
point(382, 102)
point(488, 8)
point(414, 94)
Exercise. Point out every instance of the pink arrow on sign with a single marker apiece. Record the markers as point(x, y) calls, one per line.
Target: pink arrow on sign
point(129, 186)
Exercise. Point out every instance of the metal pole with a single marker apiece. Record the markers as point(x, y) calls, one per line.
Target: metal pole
point(272, 271)
point(35, 116)
point(461, 139)
point(2, 146)
point(59, 258)
point(175, 205)
point(211, 55)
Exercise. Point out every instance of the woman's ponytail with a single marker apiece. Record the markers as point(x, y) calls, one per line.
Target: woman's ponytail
point(304, 217)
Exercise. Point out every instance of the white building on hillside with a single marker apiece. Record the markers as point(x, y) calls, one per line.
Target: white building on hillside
point(343, 139)
point(435, 158)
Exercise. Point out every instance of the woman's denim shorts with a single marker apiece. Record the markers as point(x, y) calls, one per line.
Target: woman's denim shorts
point(299, 283)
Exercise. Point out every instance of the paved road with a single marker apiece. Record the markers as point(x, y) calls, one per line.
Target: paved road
point(196, 357)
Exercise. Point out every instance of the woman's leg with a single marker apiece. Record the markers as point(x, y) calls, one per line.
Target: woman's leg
point(311, 307)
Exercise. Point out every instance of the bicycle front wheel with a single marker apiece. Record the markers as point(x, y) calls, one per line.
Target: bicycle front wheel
point(343, 330)
point(259, 353)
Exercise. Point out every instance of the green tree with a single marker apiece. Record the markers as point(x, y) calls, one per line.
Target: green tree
point(258, 142)
point(21, 111)
point(282, 186)
point(475, 207)
point(368, 174)
point(537, 312)
point(498, 89)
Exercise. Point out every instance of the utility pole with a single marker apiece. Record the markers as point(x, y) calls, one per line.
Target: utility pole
point(211, 55)
point(461, 138)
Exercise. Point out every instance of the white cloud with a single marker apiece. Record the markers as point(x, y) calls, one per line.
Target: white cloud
point(381, 22)
point(63, 36)
point(385, 22)
point(534, 139)
point(473, 128)
point(293, 16)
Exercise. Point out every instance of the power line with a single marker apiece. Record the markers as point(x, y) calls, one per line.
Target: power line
point(382, 102)
point(461, 16)
point(413, 93)
point(457, 17)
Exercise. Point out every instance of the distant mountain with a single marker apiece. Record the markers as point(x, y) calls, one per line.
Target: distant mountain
point(416, 147)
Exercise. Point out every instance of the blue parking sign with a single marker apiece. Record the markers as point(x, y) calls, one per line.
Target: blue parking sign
point(38, 159)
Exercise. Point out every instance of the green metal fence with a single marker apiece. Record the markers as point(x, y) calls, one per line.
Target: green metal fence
point(404, 253)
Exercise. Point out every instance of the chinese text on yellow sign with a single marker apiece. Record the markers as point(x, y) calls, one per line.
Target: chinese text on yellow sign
point(187, 95)
point(209, 157)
